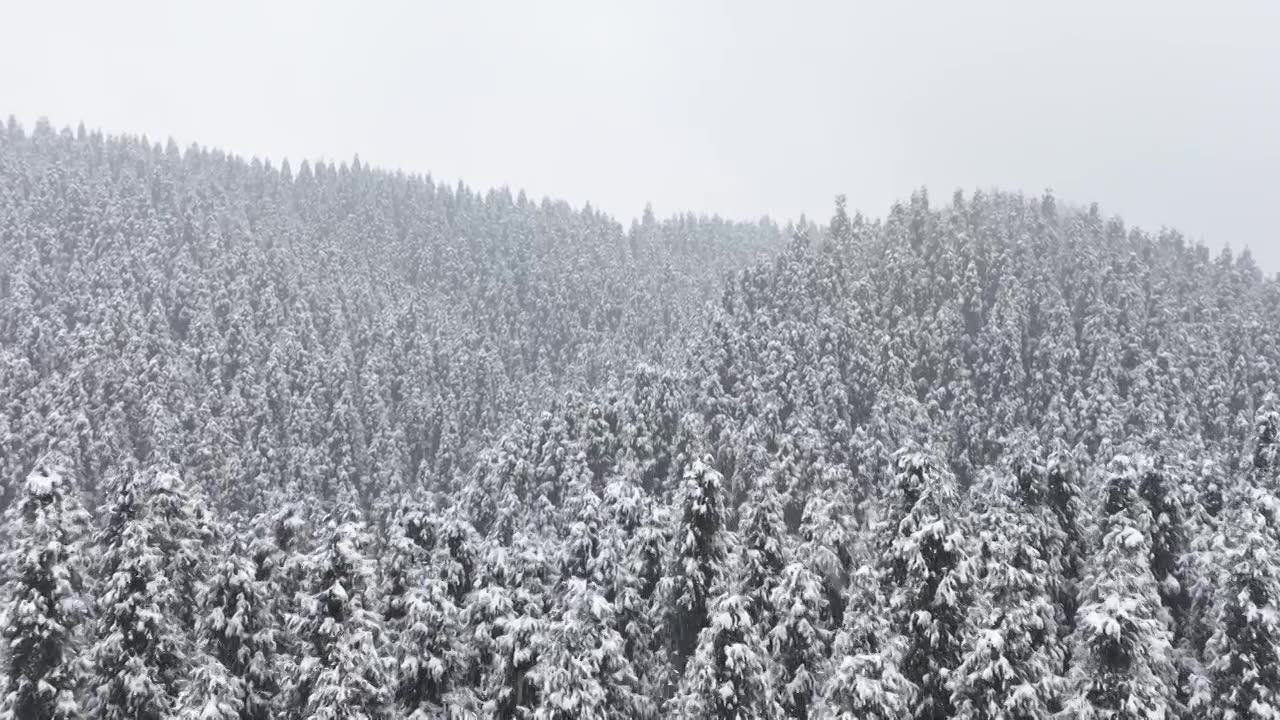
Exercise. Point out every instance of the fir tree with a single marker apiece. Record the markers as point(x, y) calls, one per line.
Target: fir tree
point(1011, 653)
point(44, 596)
point(1063, 499)
point(342, 675)
point(1169, 543)
point(922, 554)
point(798, 641)
point(699, 556)
point(762, 559)
point(506, 615)
point(211, 694)
point(238, 631)
point(1266, 445)
point(1122, 641)
point(140, 656)
point(1245, 650)
point(428, 663)
point(727, 678)
point(864, 681)
point(583, 670)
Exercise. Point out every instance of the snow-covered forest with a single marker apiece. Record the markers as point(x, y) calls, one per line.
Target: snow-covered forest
point(332, 442)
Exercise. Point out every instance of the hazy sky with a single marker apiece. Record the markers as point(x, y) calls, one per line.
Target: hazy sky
point(1167, 113)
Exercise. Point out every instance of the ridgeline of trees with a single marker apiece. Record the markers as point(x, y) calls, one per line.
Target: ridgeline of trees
point(339, 326)
point(359, 446)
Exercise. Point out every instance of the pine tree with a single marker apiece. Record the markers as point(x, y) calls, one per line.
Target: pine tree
point(286, 339)
point(642, 612)
point(699, 556)
point(506, 615)
point(923, 558)
point(411, 539)
point(1011, 653)
point(798, 641)
point(840, 229)
point(583, 667)
point(1122, 642)
point(1266, 446)
point(1169, 543)
point(422, 621)
point(1245, 650)
point(1063, 499)
point(140, 655)
point(864, 681)
point(428, 663)
point(342, 675)
point(211, 694)
point(238, 631)
point(1172, 565)
point(583, 670)
point(183, 529)
point(457, 565)
point(281, 566)
point(727, 677)
point(44, 595)
point(762, 560)
point(827, 541)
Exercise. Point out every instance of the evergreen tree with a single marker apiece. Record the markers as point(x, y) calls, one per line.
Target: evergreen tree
point(44, 596)
point(762, 558)
point(238, 631)
point(923, 558)
point(798, 642)
point(583, 664)
point(140, 656)
point(342, 674)
point(583, 670)
point(422, 621)
point(1266, 447)
point(642, 612)
point(1122, 641)
point(727, 678)
point(699, 556)
point(281, 567)
point(410, 542)
point(428, 663)
point(827, 543)
point(341, 334)
point(506, 616)
point(458, 564)
point(1063, 499)
point(1172, 565)
point(840, 228)
point(864, 681)
point(1011, 654)
point(1245, 650)
point(183, 529)
point(1169, 543)
point(211, 694)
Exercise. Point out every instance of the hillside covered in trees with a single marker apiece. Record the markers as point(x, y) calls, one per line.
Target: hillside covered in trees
point(343, 327)
point(341, 443)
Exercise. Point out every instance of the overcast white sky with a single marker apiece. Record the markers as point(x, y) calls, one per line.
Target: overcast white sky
point(1167, 113)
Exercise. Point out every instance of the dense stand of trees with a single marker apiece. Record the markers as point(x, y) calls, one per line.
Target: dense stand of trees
point(318, 328)
point(346, 444)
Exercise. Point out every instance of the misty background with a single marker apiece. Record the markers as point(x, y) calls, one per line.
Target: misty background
point(1163, 112)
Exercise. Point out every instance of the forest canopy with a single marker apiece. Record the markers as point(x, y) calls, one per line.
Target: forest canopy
point(337, 442)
